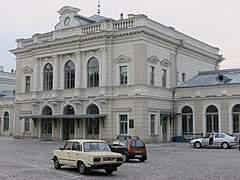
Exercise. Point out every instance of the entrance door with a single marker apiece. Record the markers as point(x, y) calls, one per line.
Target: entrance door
point(68, 129)
point(47, 129)
point(164, 129)
point(92, 126)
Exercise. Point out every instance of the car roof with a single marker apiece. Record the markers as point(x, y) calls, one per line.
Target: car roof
point(85, 140)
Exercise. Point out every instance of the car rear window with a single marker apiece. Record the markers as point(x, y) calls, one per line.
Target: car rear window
point(137, 144)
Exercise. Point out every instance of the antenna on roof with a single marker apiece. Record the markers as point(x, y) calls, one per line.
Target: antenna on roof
point(98, 7)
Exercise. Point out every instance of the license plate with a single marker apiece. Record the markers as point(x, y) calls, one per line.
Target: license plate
point(138, 156)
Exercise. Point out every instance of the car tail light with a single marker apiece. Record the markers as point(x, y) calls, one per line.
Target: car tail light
point(119, 159)
point(96, 159)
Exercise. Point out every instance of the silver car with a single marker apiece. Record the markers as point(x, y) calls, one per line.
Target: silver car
point(223, 140)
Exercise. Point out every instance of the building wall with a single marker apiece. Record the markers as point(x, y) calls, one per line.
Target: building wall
point(143, 44)
point(211, 95)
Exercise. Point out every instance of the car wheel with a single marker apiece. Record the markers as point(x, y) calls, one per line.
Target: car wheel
point(109, 171)
point(82, 168)
point(197, 144)
point(225, 145)
point(142, 160)
point(56, 163)
point(125, 158)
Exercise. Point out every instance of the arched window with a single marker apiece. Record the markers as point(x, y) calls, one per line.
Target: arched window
point(212, 123)
point(236, 118)
point(48, 77)
point(69, 110)
point(92, 124)
point(6, 121)
point(187, 120)
point(69, 79)
point(47, 111)
point(93, 72)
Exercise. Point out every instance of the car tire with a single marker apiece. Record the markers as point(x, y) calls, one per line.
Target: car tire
point(82, 168)
point(125, 158)
point(225, 145)
point(142, 160)
point(56, 163)
point(197, 144)
point(109, 171)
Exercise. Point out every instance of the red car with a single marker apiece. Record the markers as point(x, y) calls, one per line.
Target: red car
point(130, 148)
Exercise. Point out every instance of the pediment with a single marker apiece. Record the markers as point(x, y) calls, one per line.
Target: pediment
point(27, 70)
point(153, 59)
point(165, 62)
point(122, 59)
point(68, 9)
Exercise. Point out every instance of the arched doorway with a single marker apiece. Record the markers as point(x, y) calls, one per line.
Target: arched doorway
point(92, 124)
point(46, 124)
point(187, 122)
point(212, 123)
point(68, 124)
point(236, 118)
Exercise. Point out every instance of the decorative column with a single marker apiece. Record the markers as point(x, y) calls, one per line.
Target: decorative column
point(55, 72)
point(103, 67)
point(77, 70)
point(36, 77)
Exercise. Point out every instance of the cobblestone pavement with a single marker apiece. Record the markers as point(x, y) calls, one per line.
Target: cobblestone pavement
point(31, 160)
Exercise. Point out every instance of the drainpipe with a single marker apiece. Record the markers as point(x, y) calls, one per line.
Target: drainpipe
point(180, 45)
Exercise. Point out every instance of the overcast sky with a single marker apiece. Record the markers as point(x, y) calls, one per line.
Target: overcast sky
point(215, 22)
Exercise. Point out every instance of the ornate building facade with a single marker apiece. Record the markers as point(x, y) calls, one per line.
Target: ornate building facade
point(97, 77)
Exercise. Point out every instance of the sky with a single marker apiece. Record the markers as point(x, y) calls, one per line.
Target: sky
point(215, 22)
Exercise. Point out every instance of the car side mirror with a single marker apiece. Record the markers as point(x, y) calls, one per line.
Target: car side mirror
point(61, 149)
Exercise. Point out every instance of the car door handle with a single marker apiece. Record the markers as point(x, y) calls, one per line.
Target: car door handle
point(67, 152)
point(77, 154)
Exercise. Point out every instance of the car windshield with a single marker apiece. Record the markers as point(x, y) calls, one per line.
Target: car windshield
point(137, 144)
point(95, 146)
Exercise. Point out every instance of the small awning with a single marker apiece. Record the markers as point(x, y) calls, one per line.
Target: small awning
point(66, 116)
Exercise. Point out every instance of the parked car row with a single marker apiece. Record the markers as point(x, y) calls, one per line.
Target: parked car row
point(97, 154)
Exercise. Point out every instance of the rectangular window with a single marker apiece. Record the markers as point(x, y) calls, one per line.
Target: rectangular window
point(183, 77)
point(164, 77)
point(26, 125)
point(152, 123)
point(123, 124)
point(27, 83)
point(123, 74)
point(152, 70)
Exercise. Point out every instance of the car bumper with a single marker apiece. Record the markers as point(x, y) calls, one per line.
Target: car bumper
point(105, 166)
point(137, 156)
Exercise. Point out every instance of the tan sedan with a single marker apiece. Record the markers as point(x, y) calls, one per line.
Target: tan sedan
point(87, 155)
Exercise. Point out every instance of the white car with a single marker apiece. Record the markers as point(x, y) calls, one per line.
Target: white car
point(223, 140)
point(87, 155)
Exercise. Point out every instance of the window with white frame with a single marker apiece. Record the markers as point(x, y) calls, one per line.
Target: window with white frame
point(123, 74)
point(123, 124)
point(93, 72)
point(152, 74)
point(48, 77)
point(6, 121)
point(152, 124)
point(26, 125)
point(27, 83)
point(69, 79)
point(164, 78)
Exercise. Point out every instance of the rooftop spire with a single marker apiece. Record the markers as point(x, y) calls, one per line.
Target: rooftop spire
point(98, 7)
